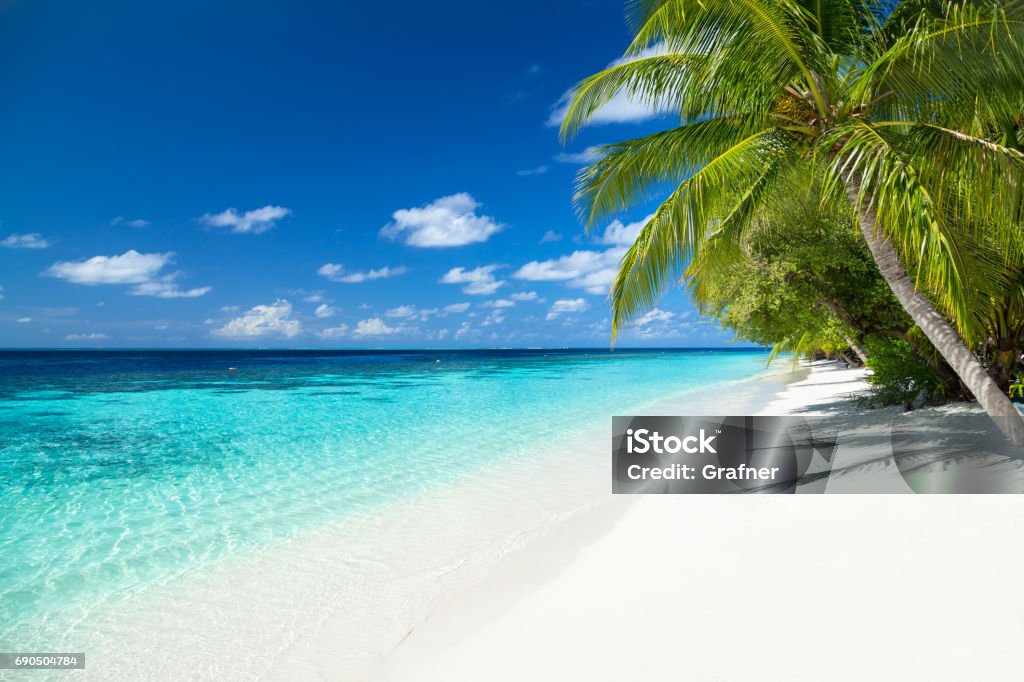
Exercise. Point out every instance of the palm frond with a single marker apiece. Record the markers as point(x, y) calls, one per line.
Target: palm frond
point(981, 178)
point(840, 24)
point(690, 86)
point(656, 80)
point(717, 201)
point(629, 172)
point(769, 33)
point(948, 69)
point(797, 345)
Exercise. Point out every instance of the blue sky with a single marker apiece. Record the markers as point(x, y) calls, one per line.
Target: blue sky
point(307, 174)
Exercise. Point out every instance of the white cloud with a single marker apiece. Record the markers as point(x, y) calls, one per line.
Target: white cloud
point(121, 220)
point(401, 311)
point(496, 317)
point(659, 323)
point(592, 271)
point(255, 221)
point(333, 332)
point(337, 273)
point(479, 281)
point(620, 108)
point(566, 305)
point(262, 320)
point(374, 327)
point(95, 336)
point(499, 303)
point(524, 296)
point(131, 267)
point(464, 329)
point(598, 282)
point(323, 311)
point(411, 312)
point(550, 236)
point(588, 155)
point(166, 288)
point(619, 234)
point(539, 170)
point(30, 240)
point(655, 315)
point(23, 320)
point(448, 221)
point(314, 297)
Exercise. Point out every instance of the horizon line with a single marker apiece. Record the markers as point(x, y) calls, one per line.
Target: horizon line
point(367, 348)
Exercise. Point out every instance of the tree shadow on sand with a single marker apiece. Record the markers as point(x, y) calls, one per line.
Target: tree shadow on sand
point(931, 451)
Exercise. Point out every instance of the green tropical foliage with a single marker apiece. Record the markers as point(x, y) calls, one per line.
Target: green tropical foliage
point(804, 283)
point(798, 273)
point(1017, 387)
point(912, 101)
point(906, 116)
point(899, 376)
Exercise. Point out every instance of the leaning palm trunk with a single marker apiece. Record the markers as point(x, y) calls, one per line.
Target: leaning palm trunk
point(847, 359)
point(858, 351)
point(939, 332)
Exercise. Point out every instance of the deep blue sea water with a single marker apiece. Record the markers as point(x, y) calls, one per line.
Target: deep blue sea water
point(120, 469)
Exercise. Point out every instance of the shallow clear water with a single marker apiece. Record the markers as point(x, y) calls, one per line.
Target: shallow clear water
point(123, 469)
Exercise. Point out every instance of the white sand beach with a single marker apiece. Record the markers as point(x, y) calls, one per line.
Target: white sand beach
point(532, 570)
point(802, 587)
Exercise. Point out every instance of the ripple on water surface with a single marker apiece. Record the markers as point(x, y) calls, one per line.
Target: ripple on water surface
point(119, 472)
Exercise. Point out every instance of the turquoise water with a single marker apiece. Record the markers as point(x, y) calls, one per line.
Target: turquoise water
point(121, 470)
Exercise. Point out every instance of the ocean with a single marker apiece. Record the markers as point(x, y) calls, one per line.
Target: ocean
point(122, 470)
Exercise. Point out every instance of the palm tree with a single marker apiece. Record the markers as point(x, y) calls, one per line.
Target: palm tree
point(901, 108)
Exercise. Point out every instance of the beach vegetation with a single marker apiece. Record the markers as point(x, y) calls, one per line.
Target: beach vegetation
point(899, 376)
point(804, 283)
point(906, 115)
point(1016, 389)
point(800, 280)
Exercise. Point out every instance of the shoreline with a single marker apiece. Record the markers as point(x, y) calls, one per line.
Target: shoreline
point(336, 602)
point(526, 568)
point(582, 478)
point(664, 587)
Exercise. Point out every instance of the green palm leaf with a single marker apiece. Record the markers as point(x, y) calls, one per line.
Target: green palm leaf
point(703, 207)
point(769, 32)
point(631, 171)
point(945, 68)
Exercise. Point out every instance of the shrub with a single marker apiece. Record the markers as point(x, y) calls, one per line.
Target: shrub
point(899, 376)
